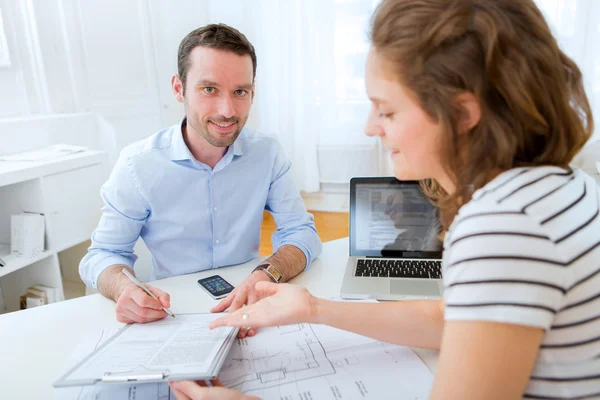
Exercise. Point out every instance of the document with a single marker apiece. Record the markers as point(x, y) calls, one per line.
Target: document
point(172, 348)
point(294, 362)
point(88, 344)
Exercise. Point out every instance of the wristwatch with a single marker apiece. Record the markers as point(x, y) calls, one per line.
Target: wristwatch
point(271, 270)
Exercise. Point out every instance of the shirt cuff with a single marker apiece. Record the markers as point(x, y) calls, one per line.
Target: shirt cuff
point(100, 266)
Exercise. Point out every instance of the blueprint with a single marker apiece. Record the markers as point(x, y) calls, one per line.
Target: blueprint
point(299, 362)
point(304, 362)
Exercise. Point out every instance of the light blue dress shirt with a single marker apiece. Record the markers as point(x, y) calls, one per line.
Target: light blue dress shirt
point(191, 217)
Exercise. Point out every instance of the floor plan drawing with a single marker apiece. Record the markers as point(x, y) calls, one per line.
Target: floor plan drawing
point(315, 361)
point(260, 368)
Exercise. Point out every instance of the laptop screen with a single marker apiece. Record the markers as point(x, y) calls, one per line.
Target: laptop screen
point(390, 218)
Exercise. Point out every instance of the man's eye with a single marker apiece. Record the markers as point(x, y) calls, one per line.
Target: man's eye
point(386, 115)
point(209, 90)
point(240, 92)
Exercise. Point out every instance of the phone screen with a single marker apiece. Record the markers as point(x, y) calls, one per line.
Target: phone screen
point(215, 285)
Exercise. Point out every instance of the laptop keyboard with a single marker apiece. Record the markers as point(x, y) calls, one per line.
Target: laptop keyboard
point(428, 269)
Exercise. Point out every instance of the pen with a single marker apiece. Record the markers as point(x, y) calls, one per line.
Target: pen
point(2, 263)
point(139, 284)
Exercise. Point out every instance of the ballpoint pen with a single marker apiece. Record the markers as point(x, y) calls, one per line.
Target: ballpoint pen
point(139, 284)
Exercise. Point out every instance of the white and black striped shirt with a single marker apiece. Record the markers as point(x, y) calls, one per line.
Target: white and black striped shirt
point(526, 250)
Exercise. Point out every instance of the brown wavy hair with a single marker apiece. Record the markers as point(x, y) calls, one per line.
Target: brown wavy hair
point(534, 110)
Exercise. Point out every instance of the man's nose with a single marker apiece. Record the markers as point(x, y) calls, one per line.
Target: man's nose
point(226, 108)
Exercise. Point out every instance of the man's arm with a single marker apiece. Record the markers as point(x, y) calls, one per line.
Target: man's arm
point(112, 281)
point(295, 226)
point(123, 216)
point(289, 260)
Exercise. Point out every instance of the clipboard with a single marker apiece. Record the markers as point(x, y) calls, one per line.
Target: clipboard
point(167, 350)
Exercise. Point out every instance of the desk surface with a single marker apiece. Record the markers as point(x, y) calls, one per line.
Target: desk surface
point(36, 344)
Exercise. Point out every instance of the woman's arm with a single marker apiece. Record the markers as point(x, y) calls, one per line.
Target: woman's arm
point(409, 323)
point(485, 360)
point(417, 323)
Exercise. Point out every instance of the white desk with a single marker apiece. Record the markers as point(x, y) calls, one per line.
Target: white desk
point(35, 344)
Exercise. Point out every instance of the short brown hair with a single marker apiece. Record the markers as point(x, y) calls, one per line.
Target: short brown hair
point(534, 110)
point(214, 36)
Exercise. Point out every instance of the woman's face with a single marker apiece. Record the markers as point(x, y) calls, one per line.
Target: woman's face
point(411, 135)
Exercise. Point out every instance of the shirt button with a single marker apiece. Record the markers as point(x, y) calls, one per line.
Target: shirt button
point(217, 241)
point(215, 209)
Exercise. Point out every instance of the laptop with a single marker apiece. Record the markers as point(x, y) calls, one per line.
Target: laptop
point(395, 250)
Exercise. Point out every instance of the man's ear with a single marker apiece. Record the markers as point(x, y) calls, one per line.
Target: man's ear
point(470, 111)
point(177, 87)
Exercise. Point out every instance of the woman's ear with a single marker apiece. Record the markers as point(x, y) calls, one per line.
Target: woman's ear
point(470, 111)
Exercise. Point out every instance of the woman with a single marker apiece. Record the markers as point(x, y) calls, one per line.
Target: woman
point(475, 98)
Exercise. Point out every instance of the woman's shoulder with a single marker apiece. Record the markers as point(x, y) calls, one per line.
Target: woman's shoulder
point(544, 197)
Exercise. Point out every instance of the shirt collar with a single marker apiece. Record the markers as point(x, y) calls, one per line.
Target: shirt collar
point(237, 145)
point(180, 151)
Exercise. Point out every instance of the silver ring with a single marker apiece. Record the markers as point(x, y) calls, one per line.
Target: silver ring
point(246, 316)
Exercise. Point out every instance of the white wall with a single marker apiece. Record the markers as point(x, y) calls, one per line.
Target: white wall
point(111, 57)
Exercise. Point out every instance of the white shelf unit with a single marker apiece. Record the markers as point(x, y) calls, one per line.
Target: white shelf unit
point(66, 191)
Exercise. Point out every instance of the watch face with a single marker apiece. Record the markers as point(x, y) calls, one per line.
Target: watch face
point(275, 272)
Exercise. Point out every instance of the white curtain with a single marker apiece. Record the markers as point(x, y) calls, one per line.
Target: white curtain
point(576, 24)
point(310, 78)
point(295, 81)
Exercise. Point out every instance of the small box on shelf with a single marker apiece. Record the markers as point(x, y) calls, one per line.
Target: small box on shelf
point(27, 234)
point(30, 300)
point(39, 295)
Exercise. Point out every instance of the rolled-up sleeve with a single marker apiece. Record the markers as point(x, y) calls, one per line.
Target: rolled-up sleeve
point(295, 226)
point(124, 214)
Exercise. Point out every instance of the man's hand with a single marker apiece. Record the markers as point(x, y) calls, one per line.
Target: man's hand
point(134, 305)
point(244, 294)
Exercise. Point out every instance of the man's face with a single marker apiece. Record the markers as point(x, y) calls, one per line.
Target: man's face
point(218, 94)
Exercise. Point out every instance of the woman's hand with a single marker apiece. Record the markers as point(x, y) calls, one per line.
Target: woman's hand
point(280, 304)
point(189, 390)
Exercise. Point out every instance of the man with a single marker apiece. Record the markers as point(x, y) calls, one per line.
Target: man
point(196, 192)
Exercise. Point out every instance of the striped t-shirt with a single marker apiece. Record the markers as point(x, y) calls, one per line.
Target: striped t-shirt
point(526, 250)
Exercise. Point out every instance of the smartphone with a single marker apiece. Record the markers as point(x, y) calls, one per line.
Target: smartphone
point(216, 286)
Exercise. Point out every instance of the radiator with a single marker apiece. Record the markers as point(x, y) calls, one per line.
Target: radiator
point(337, 164)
